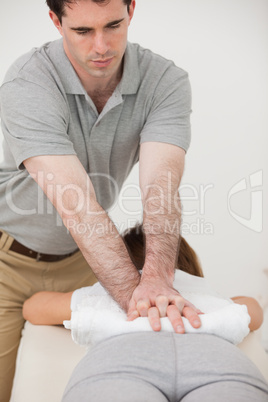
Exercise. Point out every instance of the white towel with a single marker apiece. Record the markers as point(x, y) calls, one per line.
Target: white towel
point(96, 316)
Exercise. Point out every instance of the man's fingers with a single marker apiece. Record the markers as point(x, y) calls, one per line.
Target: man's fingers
point(132, 315)
point(132, 312)
point(192, 317)
point(189, 304)
point(175, 319)
point(143, 306)
point(161, 303)
point(154, 319)
point(179, 302)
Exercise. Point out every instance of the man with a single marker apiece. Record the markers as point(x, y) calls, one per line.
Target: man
point(77, 114)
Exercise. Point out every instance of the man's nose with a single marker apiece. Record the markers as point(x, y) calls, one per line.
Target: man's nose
point(100, 44)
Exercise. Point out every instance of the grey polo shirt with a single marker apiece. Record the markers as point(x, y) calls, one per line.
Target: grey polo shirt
point(46, 111)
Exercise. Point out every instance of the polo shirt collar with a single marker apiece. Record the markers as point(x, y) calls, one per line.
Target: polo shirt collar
point(130, 81)
point(128, 85)
point(69, 78)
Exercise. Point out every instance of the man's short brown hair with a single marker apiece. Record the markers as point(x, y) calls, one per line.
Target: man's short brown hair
point(58, 6)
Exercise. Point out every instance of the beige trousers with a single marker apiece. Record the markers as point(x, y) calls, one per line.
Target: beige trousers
point(20, 278)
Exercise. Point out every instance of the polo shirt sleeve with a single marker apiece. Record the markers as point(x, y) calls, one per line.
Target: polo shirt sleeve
point(34, 120)
point(168, 120)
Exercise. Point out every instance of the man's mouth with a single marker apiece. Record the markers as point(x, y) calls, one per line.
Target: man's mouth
point(102, 63)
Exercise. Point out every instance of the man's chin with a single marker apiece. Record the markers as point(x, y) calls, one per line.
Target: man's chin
point(103, 72)
point(99, 74)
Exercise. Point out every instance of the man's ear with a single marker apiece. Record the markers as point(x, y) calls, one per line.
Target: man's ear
point(55, 21)
point(131, 10)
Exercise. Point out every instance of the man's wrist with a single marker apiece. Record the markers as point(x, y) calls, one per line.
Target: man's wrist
point(123, 293)
point(152, 272)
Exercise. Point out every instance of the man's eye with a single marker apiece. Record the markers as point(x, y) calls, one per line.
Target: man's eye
point(82, 32)
point(115, 26)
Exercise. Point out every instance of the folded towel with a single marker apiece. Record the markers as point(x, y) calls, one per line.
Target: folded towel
point(96, 316)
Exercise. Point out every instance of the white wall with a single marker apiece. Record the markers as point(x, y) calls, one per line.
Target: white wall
point(223, 45)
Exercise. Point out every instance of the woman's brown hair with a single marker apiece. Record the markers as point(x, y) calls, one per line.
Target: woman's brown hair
point(188, 261)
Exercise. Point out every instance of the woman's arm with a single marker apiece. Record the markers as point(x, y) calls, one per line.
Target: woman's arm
point(52, 308)
point(254, 310)
point(48, 308)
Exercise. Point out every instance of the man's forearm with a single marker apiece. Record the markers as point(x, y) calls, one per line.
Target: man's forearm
point(68, 186)
point(162, 218)
point(105, 252)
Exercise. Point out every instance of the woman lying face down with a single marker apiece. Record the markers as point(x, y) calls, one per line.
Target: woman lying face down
point(157, 366)
point(52, 308)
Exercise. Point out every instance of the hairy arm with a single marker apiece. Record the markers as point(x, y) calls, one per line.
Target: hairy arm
point(161, 207)
point(68, 187)
point(161, 169)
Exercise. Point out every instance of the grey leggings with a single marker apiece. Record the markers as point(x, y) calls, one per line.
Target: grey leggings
point(165, 367)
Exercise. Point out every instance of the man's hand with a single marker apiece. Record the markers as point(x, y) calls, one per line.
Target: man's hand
point(156, 299)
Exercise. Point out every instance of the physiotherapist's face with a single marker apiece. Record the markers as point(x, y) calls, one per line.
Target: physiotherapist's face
point(95, 36)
